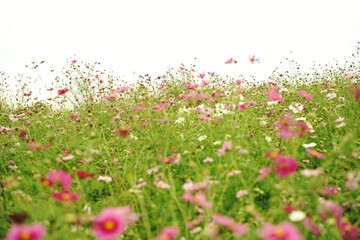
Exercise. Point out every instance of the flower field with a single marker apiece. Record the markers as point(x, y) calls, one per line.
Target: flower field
point(185, 155)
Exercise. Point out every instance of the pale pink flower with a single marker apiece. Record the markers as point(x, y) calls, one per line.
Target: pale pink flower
point(352, 182)
point(229, 223)
point(162, 184)
point(231, 60)
point(304, 94)
point(273, 95)
point(199, 199)
point(284, 166)
point(60, 178)
point(201, 75)
point(242, 193)
point(227, 145)
point(327, 209)
point(340, 125)
point(152, 170)
point(112, 222)
point(329, 191)
point(168, 233)
point(283, 231)
point(331, 95)
point(263, 173)
point(315, 153)
point(26, 232)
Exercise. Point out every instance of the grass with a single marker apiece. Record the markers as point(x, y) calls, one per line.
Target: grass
point(177, 126)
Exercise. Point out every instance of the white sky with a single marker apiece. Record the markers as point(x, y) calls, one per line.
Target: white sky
point(147, 36)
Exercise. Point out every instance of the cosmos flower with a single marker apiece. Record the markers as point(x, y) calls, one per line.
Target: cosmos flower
point(168, 233)
point(65, 196)
point(273, 95)
point(283, 231)
point(112, 222)
point(59, 178)
point(229, 223)
point(304, 94)
point(26, 232)
point(284, 166)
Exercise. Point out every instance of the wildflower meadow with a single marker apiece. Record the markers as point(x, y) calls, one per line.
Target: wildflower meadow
point(183, 155)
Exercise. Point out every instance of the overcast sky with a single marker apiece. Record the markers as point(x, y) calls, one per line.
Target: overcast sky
point(147, 36)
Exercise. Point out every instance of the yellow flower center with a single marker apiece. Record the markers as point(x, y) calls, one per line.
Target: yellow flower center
point(109, 225)
point(25, 236)
point(66, 196)
point(348, 227)
point(279, 232)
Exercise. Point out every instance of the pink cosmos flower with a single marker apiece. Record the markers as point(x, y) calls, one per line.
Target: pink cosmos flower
point(231, 60)
point(284, 166)
point(26, 232)
point(315, 153)
point(227, 145)
point(65, 196)
point(229, 223)
point(201, 75)
point(273, 95)
point(263, 173)
point(199, 199)
point(304, 94)
point(60, 178)
point(329, 191)
point(348, 231)
point(140, 107)
point(168, 233)
point(312, 227)
point(283, 231)
point(112, 222)
point(328, 209)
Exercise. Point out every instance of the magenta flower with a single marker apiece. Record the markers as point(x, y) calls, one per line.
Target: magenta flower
point(112, 222)
point(304, 94)
point(26, 232)
point(348, 230)
point(60, 178)
point(284, 166)
point(229, 223)
point(168, 233)
point(273, 95)
point(62, 91)
point(283, 231)
point(65, 196)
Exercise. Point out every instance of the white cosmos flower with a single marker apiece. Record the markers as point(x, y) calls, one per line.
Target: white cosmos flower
point(297, 216)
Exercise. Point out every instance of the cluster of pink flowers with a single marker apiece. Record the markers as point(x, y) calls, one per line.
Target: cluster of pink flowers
point(63, 180)
point(287, 127)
